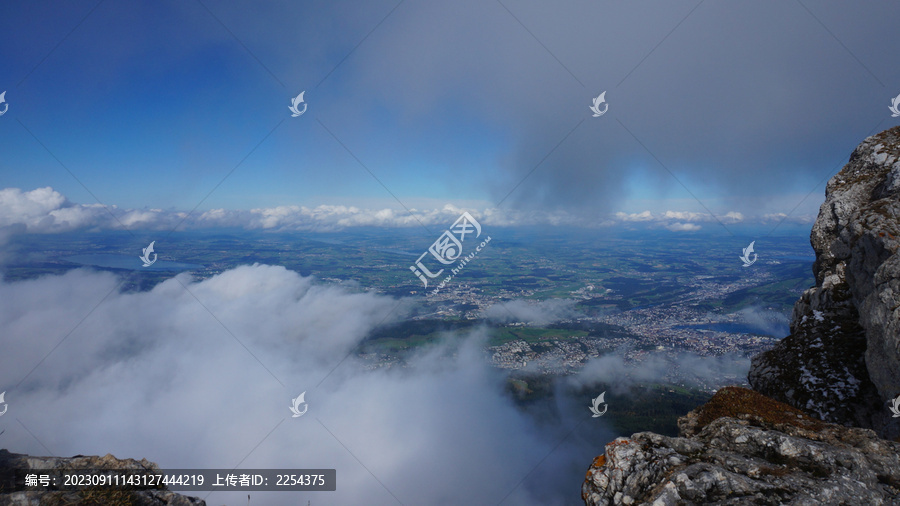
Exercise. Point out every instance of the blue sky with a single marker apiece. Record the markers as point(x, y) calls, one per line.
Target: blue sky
point(721, 108)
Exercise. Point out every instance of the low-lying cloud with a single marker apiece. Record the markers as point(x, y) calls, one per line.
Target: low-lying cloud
point(660, 367)
point(200, 374)
point(536, 313)
point(765, 321)
point(45, 210)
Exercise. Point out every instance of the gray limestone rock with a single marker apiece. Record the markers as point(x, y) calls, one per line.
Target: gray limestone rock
point(840, 364)
point(10, 462)
point(779, 456)
point(842, 359)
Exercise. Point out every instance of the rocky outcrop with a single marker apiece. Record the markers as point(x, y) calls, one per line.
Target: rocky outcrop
point(817, 428)
point(842, 359)
point(744, 448)
point(10, 462)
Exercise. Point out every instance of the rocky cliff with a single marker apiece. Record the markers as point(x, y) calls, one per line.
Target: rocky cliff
point(842, 359)
point(744, 448)
point(821, 432)
point(10, 462)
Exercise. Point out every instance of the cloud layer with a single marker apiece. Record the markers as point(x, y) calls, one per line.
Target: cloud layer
point(687, 368)
point(45, 210)
point(200, 374)
point(535, 313)
point(735, 104)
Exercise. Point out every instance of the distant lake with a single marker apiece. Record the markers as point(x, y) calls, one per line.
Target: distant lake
point(125, 262)
point(775, 330)
point(809, 258)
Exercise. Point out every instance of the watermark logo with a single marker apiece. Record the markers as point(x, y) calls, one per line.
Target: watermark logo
point(295, 408)
point(596, 107)
point(895, 406)
point(895, 107)
point(3, 101)
point(5, 405)
point(448, 249)
point(295, 102)
point(146, 256)
point(746, 256)
point(595, 407)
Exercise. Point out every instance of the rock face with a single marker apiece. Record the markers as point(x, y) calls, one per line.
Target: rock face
point(842, 359)
point(744, 448)
point(817, 428)
point(10, 462)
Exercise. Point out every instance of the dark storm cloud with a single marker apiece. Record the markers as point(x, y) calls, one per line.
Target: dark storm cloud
point(741, 100)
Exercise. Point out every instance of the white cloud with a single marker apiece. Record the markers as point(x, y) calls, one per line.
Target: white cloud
point(684, 216)
point(767, 321)
point(676, 221)
point(537, 313)
point(683, 227)
point(45, 210)
point(155, 375)
point(801, 219)
point(644, 216)
point(733, 217)
point(655, 367)
point(42, 210)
